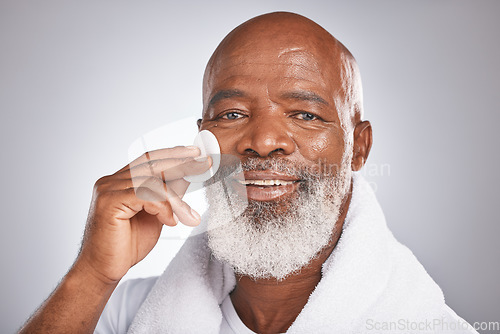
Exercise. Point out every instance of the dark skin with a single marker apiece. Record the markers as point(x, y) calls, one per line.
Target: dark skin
point(271, 91)
point(272, 88)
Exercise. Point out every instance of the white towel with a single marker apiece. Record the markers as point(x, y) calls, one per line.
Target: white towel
point(371, 284)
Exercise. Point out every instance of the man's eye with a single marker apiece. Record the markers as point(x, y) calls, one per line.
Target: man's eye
point(231, 115)
point(306, 116)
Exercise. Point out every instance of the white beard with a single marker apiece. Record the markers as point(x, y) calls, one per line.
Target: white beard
point(261, 242)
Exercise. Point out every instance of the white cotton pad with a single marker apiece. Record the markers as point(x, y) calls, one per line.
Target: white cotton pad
point(209, 146)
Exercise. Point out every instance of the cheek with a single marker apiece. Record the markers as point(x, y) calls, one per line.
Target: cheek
point(227, 139)
point(319, 144)
point(323, 147)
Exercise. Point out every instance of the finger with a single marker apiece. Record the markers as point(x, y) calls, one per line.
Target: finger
point(182, 210)
point(179, 186)
point(125, 204)
point(165, 153)
point(149, 189)
point(170, 169)
point(162, 211)
point(153, 189)
point(111, 183)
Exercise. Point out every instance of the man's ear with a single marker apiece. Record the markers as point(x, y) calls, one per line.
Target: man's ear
point(362, 144)
point(198, 122)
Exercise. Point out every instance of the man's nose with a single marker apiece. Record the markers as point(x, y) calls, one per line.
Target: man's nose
point(265, 137)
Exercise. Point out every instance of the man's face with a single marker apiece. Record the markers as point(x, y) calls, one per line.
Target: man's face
point(272, 102)
point(274, 109)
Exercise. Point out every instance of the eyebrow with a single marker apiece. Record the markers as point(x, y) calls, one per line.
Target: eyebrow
point(304, 95)
point(301, 95)
point(225, 94)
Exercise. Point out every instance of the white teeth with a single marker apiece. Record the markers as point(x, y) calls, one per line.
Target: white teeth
point(266, 182)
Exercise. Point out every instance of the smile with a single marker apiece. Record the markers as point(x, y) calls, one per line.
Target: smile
point(266, 185)
point(266, 182)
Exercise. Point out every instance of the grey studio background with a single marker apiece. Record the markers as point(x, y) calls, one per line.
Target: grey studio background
point(80, 81)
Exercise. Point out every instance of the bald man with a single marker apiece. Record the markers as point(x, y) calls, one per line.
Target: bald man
point(309, 250)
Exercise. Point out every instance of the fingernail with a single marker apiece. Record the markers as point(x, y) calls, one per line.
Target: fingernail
point(192, 147)
point(195, 214)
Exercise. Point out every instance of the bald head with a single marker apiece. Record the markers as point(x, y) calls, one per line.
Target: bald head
point(292, 39)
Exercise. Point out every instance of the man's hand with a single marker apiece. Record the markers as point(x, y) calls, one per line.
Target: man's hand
point(130, 207)
point(128, 211)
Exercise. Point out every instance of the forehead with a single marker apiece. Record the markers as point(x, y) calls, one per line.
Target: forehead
point(266, 67)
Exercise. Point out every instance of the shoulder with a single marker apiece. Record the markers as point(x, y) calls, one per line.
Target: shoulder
point(123, 305)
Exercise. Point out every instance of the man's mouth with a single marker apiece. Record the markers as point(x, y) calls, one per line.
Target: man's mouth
point(266, 182)
point(267, 185)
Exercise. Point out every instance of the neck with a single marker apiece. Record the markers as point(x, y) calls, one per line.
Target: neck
point(271, 306)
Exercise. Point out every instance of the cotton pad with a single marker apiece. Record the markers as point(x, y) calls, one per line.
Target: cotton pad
point(209, 146)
